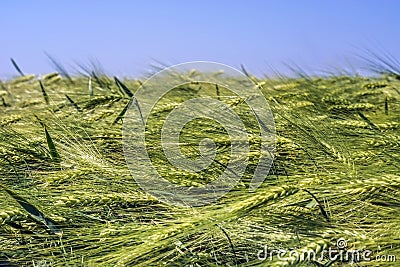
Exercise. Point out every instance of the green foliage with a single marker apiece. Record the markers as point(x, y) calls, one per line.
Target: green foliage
point(335, 175)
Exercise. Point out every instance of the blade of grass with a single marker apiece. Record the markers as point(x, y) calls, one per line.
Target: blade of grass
point(122, 113)
point(130, 94)
point(386, 106)
point(4, 102)
point(90, 88)
point(123, 87)
point(73, 103)
point(230, 243)
point(245, 71)
point(321, 207)
point(370, 123)
point(251, 77)
point(103, 81)
point(217, 91)
point(17, 67)
point(36, 214)
point(46, 97)
point(386, 203)
point(52, 148)
point(60, 68)
point(39, 120)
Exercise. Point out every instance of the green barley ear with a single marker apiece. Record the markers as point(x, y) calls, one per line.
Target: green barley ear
point(35, 213)
point(46, 97)
point(17, 67)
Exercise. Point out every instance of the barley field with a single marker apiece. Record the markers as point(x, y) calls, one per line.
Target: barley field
point(68, 198)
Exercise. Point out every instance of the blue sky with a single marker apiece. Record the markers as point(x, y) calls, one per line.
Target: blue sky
point(127, 36)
